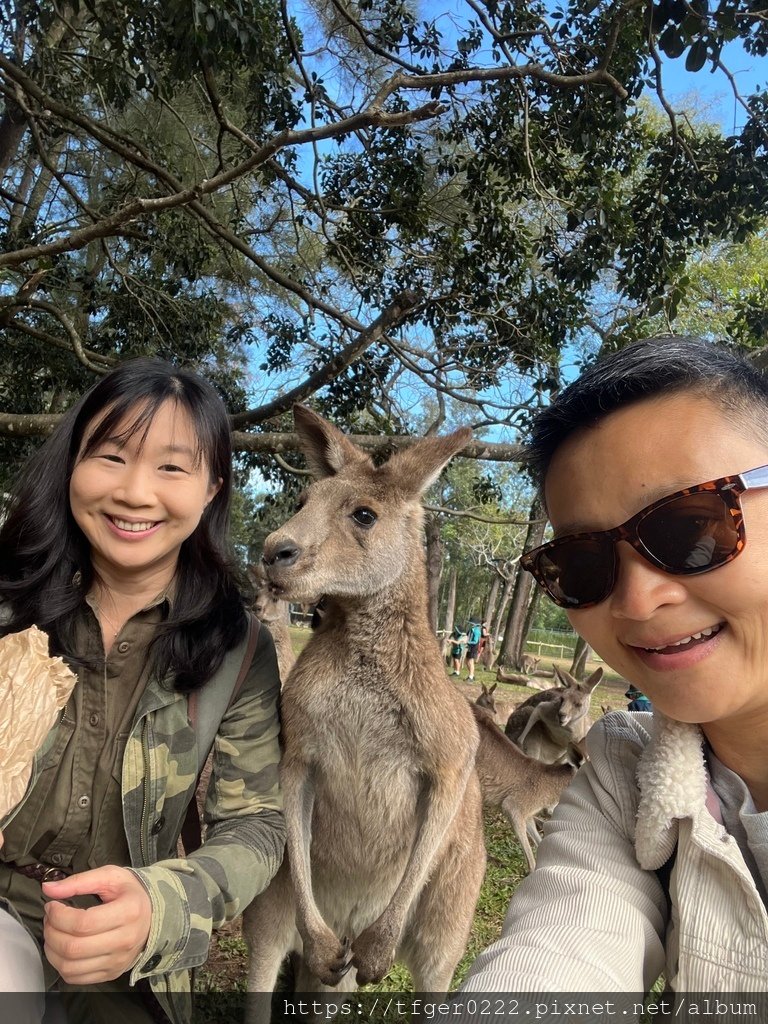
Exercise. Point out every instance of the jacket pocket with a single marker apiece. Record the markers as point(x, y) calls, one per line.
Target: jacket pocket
point(120, 742)
point(44, 773)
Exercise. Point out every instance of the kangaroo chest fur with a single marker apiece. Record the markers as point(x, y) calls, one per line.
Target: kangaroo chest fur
point(365, 761)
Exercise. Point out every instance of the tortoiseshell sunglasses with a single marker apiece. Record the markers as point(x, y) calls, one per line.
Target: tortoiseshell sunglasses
point(689, 532)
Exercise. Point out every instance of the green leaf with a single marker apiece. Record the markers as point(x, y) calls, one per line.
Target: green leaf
point(697, 56)
point(671, 42)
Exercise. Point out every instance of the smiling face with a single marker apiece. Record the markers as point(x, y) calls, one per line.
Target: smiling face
point(697, 646)
point(137, 500)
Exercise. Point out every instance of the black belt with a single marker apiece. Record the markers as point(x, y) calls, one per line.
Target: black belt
point(40, 872)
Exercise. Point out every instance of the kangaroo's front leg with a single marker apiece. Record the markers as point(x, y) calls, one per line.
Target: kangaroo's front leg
point(326, 957)
point(442, 795)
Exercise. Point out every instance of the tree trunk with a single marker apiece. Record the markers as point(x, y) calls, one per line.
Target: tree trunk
point(450, 611)
point(434, 568)
point(13, 123)
point(502, 607)
point(513, 632)
point(580, 656)
point(490, 604)
point(22, 192)
point(41, 187)
point(529, 617)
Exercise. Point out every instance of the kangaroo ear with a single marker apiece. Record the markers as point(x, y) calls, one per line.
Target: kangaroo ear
point(325, 448)
point(589, 684)
point(419, 466)
point(255, 573)
point(493, 688)
point(564, 678)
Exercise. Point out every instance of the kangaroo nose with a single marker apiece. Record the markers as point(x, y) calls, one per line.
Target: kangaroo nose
point(284, 555)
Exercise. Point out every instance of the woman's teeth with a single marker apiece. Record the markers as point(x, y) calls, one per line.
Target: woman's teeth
point(705, 634)
point(123, 524)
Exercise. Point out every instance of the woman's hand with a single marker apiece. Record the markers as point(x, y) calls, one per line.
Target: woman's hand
point(100, 943)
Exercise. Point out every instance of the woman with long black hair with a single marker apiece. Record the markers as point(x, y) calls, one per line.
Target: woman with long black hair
point(115, 544)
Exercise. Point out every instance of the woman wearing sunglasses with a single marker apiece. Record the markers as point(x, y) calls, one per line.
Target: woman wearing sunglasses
point(654, 469)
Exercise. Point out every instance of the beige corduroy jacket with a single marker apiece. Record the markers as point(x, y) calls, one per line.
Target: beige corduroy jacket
point(593, 916)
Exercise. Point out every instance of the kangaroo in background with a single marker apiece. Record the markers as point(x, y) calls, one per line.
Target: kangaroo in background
point(499, 709)
point(551, 724)
point(275, 615)
point(528, 663)
point(521, 786)
point(385, 852)
point(486, 700)
point(533, 679)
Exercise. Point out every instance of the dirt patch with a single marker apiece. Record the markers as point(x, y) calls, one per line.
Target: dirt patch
point(226, 968)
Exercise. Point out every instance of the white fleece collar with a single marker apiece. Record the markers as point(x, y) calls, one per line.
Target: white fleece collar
point(673, 782)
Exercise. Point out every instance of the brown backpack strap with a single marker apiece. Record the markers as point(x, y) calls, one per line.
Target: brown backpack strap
point(191, 835)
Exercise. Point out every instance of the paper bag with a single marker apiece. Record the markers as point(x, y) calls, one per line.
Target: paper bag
point(33, 689)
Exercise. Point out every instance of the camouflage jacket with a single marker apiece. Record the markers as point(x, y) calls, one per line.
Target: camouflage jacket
point(245, 833)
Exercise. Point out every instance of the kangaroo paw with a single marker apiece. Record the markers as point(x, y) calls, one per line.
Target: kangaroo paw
point(327, 958)
point(374, 953)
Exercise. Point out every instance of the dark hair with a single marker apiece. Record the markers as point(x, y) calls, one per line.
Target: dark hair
point(644, 369)
point(45, 565)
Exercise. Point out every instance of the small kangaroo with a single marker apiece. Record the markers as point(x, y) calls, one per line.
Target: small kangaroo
point(520, 785)
point(499, 709)
point(528, 663)
point(551, 724)
point(385, 852)
point(274, 614)
point(486, 700)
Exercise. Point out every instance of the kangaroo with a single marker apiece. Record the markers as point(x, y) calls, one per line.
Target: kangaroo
point(274, 614)
point(499, 709)
point(520, 785)
point(528, 663)
point(534, 680)
point(551, 724)
point(486, 700)
point(385, 852)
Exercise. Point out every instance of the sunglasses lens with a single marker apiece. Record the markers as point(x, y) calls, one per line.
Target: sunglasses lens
point(691, 533)
point(578, 572)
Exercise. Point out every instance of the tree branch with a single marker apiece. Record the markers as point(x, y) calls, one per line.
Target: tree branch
point(40, 425)
point(389, 318)
point(466, 514)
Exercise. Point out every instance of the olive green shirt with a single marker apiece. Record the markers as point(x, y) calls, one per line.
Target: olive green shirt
point(245, 831)
point(73, 818)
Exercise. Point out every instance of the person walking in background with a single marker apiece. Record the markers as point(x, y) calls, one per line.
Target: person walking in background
point(458, 636)
point(637, 700)
point(473, 644)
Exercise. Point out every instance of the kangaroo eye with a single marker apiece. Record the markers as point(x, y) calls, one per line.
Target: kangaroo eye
point(364, 517)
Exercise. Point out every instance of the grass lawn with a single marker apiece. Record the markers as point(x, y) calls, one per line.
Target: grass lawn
point(224, 973)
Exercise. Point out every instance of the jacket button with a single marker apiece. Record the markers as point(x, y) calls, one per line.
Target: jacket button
point(123, 646)
point(158, 826)
point(151, 964)
point(83, 801)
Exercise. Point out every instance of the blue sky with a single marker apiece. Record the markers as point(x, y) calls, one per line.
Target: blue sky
point(750, 73)
point(703, 91)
